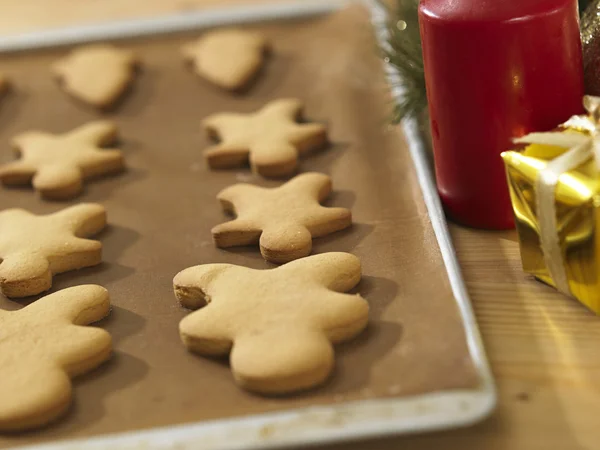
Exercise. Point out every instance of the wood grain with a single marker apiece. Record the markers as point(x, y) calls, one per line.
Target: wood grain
point(542, 346)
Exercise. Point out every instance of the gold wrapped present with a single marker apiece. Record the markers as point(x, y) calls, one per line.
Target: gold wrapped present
point(554, 182)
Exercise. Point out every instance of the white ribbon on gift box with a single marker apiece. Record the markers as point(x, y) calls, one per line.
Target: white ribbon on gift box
point(581, 147)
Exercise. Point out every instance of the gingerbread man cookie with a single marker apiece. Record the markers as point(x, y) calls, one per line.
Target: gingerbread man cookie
point(57, 164)
point(96, 74)
point(282, 220)
point(229, 58)
point(278, 324)
point(34, 248)
point(270, 138)
point(42, 346)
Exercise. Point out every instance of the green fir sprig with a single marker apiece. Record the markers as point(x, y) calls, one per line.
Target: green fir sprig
point(404, 54)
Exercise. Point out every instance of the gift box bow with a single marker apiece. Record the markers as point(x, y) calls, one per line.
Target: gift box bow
point(580, 137)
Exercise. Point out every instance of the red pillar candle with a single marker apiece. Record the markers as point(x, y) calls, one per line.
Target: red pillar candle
point(494, 70)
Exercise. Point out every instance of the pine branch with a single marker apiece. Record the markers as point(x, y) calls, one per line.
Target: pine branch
point(404, 54)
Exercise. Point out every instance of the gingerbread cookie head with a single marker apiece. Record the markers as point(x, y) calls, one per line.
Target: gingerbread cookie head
point(96, 74)
point(34, 248)
point(42, 346)
point(283, 220)
point(270, 139)
point(56, 165)
point(229, 58)
point(278, 324)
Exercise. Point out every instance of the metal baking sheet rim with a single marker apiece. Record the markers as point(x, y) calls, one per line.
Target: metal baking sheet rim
point(320, 424)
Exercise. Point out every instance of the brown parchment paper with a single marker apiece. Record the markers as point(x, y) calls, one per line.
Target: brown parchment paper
point(162, 209)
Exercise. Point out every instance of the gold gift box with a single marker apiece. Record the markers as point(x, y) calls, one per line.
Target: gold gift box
point(577, 207)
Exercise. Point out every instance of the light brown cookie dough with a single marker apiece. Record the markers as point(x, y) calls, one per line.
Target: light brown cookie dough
point(278, 324)
point(283, 220)
point(96, 74)
point(34, 248)
point(42, 346)
point(57, 164)
point(270, 139)
point(229, 58)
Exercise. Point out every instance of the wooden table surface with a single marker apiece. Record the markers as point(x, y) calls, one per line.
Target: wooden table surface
point(540, 344)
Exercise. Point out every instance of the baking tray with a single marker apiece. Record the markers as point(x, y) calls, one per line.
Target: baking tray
point(420, 365)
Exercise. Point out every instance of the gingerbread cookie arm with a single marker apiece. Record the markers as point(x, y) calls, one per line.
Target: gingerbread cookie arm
point(79, 305)
point(84, 220)
point(87, 348)
point(273, 159)
point(224, 156)
point(102, 162)
point(342, 316)
point(81, 348)
point(328, 220)
point(27, 139)
point(307, 137)
point(82, 253)
point(336, 271)
point(297, 358)
point(16, 173)
point(285, 107)
point(239, 231)
point(97, 133)
point(218, 124)
point(317, 185)
point(236, 193)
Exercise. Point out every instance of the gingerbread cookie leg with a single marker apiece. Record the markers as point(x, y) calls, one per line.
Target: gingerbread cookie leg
point(44, 344)
point(58, 182)
point(236, 233)
point(297, 358)
point(19, 279)
point(285, 242)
